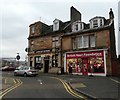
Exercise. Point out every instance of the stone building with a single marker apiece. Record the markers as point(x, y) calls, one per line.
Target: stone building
point(87, 48)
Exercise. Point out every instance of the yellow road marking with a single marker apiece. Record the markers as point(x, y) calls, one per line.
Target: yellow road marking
point(14, 81)
point(17, 82)
point(69, 90)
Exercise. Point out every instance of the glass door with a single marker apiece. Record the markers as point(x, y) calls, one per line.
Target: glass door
point(85, 66)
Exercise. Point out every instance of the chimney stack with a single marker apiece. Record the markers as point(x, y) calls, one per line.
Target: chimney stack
point(74, 14)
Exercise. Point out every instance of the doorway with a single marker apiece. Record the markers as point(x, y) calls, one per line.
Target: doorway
point(85, 66)
point(46, 64)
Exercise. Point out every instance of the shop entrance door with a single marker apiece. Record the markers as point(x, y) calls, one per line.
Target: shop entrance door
point(85, 66)
point(46, 64)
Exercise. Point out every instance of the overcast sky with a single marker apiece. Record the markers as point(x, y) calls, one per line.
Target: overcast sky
point(17, 15)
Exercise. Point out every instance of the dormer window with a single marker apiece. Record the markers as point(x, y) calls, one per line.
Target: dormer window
point(77, 26)
point(96, 22)
point(56, 25)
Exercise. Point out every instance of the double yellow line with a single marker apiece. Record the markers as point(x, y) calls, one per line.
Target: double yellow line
point(69, 90)
point(17, 82)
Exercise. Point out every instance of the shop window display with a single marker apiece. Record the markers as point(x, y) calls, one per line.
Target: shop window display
point(71, 63)
point(76, 65)
point(96, 65)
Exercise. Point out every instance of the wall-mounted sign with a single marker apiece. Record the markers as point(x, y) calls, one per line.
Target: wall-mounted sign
point(43, 51)
point(85, 54)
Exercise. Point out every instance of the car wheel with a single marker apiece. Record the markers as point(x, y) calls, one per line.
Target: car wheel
point(25, 74)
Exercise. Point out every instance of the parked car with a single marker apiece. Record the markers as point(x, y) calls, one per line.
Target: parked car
point(25, 71)
point(7, 68)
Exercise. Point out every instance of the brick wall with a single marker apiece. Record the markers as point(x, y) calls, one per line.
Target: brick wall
point(42, 43)
point(102, 38)
point(37, 26)
point(66, 43)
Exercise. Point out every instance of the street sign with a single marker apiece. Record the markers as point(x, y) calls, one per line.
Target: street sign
point(18, 57)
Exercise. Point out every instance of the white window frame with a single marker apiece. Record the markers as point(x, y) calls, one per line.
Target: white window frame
point(56, 25)
point(77, 26)
point(80, 42)
point(97, 22)
point(74, 41)
point(92, 40)
point(33, 29)
point(85, 41)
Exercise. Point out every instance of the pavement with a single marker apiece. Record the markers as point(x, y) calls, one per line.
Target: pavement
point(96, 87)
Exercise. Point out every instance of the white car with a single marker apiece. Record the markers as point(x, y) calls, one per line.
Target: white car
point(25, 71)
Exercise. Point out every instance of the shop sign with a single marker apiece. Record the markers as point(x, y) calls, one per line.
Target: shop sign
point(43, 51)
point(85, 54)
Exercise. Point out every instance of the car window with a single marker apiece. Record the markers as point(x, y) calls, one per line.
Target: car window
point(26, 68)
point(21, 68)
point(31, 67)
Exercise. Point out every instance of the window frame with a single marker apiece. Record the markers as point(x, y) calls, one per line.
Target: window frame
point(90, 45)
point(84, 41)
point(33, 29)
point(79, 42)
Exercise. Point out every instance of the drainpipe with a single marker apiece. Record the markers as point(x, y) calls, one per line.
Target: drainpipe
point(62, 67)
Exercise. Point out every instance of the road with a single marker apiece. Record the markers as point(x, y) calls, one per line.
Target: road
point(41, 86)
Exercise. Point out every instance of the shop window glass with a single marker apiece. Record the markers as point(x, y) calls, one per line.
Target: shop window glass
point(96, 65)
point(79, 64)
point(71, 65)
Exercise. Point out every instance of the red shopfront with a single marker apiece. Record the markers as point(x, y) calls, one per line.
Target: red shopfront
point(86, 63)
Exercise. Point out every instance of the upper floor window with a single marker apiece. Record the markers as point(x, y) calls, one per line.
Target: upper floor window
point(56, 25)
point(101, 22)
point(79, 42)
point(96, 22)
point(55, 42)
point(76, 26)
point(92, 40)
point(84, 41)
point(33, 29)
point(32, 42)
point(74, 43)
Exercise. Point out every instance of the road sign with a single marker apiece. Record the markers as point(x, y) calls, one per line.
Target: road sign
point(18, 57)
